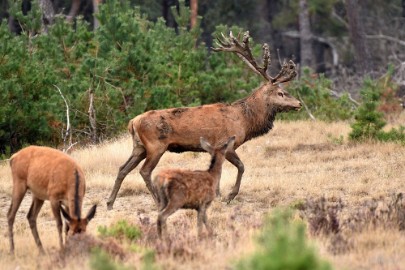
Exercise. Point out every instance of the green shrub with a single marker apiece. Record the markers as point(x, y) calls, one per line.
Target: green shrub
point(100, 260)
point(121, 230)
point(282, 245)
point(369, 122)
point(393, 135)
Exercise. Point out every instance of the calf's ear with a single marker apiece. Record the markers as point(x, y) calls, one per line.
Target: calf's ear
point(206, 145)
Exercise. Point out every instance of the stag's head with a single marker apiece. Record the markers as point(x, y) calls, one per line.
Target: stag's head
point(274, 93)
point(76, 224)
point(279, 99)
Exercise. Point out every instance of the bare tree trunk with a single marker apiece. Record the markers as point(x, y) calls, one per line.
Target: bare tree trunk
point(74, 9)
point(48, 13)
point(96, 3)
point(194, 12)
point(92, 117)
point(357, 35)
point(167, 15)
point(305, 36)
point(403, 8)
point(67, 135)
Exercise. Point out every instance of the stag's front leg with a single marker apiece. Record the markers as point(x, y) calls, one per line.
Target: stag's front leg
point(233, 158)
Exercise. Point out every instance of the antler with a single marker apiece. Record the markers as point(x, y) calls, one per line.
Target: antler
point(232, 44)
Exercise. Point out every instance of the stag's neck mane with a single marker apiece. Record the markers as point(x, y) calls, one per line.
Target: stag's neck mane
point(259, 115)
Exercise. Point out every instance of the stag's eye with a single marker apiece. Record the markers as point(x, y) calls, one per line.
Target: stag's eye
point(280, 94)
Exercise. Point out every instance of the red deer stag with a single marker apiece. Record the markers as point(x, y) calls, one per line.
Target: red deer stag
point(179, 129)
point(176, 188)
point(50, 175)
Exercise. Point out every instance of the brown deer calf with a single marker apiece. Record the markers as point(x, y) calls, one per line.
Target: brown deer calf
point(176, 188)
point(50, 175)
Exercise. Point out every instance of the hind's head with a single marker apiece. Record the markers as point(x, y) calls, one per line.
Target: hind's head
point(77, 224)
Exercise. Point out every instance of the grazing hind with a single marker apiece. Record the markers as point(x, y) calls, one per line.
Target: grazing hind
point(176, 188)
point(50, 175)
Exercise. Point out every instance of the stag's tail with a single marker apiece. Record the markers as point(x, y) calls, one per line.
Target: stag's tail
point(131, 128)
point(11, 159)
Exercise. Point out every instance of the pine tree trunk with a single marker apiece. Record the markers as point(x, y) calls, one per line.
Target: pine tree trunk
point(95, 11)
point(74, 9)
point(305, 36)
point(357, 35)
point(48, 13)
point(92, 118)
point(403, 8)
point(167, 15)
point(194, 12)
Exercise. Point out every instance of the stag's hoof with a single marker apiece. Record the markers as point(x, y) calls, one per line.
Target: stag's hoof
point(41, 251)
point(231, 196)
point(110, 205)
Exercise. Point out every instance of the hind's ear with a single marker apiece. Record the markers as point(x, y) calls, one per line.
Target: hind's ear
point(91, 213)
point(65, 214)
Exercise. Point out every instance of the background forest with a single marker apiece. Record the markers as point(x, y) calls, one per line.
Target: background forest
point(77, 71)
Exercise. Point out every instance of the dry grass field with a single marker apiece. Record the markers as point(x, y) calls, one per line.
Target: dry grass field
point(348, 194)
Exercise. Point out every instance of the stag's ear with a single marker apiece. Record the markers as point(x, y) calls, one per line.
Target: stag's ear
point(65, 214)
point(91, 213)
point(206, 146)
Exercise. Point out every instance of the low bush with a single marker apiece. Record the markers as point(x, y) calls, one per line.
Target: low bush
point(282, 245)
point(369, 120)
point(100, 260)
point(121, 230)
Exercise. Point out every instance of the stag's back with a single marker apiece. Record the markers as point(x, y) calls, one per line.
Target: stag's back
point(180, 129)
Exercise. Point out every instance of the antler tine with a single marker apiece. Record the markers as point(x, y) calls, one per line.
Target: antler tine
point(224, 43)
point(287, 73)
point(243, 51)
point(266, 56)
point(221, 42)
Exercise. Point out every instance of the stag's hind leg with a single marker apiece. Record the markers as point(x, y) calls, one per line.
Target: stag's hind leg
point(138, 154)
point(32, 219)
point(17, 197)
point(151, 161)
point(233, 158)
